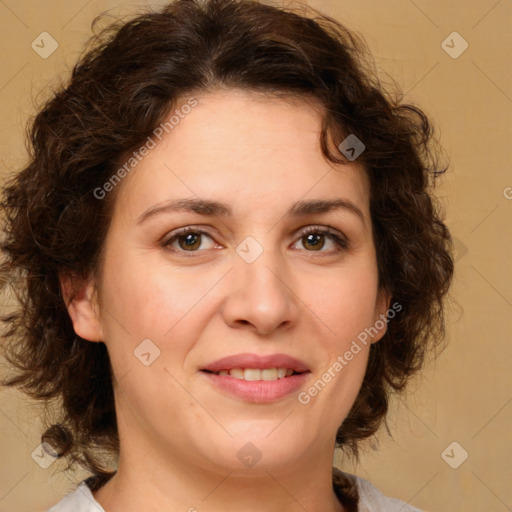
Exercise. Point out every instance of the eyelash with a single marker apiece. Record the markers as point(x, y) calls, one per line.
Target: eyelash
point(341, 242)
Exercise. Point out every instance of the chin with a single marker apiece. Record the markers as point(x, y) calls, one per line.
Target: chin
point(257, 452)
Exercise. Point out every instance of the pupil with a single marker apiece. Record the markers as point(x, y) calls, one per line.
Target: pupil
point(313, 240)
point(190, 241)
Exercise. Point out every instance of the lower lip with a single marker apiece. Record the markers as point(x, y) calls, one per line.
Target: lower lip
point(261, 391)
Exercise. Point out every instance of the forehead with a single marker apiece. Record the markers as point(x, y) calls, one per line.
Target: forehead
point(247, 149)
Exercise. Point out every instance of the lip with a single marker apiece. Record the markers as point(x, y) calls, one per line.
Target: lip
point(259, 391)
point(257, 361)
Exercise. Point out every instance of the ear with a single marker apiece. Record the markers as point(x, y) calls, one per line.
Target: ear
point(80, 299)
point(382, 305)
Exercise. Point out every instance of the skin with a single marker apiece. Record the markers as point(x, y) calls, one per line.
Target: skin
point(179, 434)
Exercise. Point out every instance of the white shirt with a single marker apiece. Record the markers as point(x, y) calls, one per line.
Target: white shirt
point(371, 499)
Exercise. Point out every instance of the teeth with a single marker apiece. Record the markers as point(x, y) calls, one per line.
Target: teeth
point(252, 374)
point(268, 374)
point(237, 373)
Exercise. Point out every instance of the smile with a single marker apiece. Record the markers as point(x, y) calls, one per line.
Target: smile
point(254, 374)
point(256, 385)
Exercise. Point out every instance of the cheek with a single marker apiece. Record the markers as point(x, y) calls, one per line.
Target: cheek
point(144, 302)
point(346, 305)
point(151, 300)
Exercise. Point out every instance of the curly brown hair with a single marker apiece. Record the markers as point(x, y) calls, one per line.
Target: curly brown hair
point(121, 89)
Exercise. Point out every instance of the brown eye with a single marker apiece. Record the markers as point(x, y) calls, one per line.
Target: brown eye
point(315, 241)
point(188, 240)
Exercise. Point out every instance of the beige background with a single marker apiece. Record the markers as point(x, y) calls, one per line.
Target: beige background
point(466, 395)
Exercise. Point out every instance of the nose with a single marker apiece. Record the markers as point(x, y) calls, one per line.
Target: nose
point(260, 296)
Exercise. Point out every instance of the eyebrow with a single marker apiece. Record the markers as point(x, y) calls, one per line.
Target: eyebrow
point(214, 208)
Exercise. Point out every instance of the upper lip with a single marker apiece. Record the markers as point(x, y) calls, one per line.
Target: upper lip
point(257, 361)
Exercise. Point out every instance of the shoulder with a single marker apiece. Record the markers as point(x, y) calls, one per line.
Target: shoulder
point(371, 499)
point(79, 500)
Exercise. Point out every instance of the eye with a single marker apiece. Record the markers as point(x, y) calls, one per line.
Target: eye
point(188, 240)
point(314, 239)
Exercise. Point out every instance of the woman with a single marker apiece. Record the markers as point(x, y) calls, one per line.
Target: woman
point(231, 259)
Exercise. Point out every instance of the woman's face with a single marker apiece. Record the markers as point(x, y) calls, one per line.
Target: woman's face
point(255, 280)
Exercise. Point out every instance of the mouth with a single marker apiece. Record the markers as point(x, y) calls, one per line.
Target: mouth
point(255, 378)
point(255, 374)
